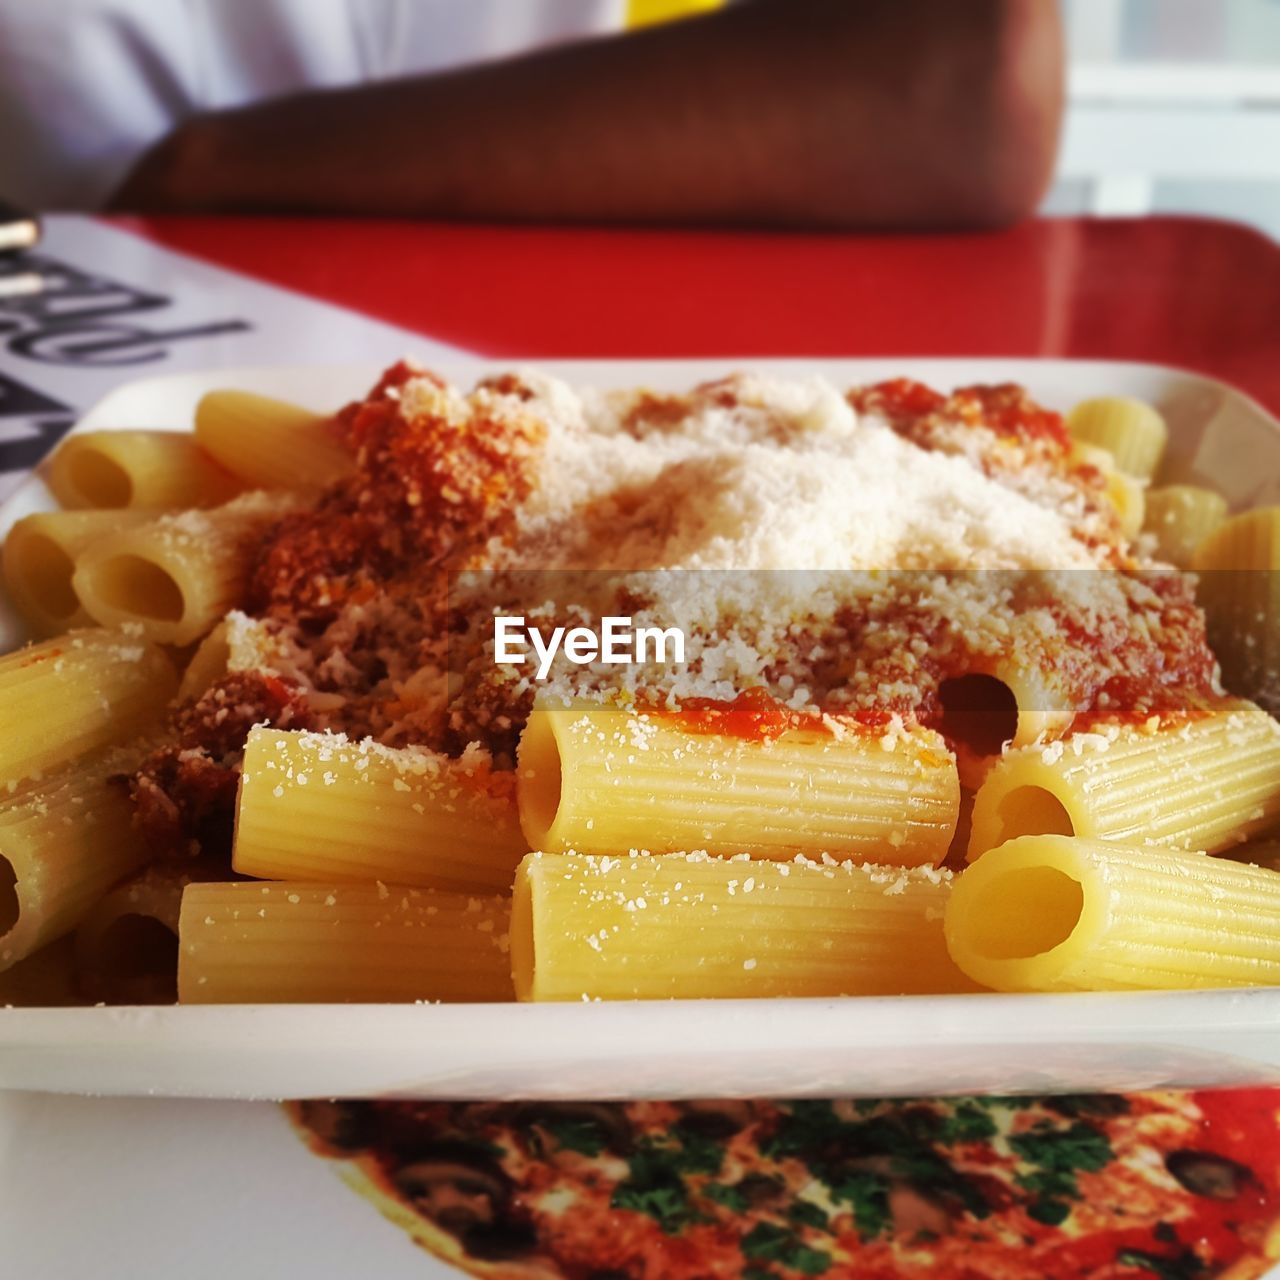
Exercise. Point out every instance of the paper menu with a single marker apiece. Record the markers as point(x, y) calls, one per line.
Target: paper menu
point(112, 307)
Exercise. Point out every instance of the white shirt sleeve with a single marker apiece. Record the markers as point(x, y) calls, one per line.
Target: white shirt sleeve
point(87, 85)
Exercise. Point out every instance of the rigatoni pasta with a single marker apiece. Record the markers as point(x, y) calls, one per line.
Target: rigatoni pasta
point(1124, 491)
point(652, 927)
point(316, 806)
point(1009, 704)
point(1132, 432)
point(176, 577)
point(268, 443)
point(369, 728)
point(1238, 566)
point(1181, 517)
point(86, 690)
point(601, 779)
point(39, 560)
point(251, 943)
point(126, 946)
point(1208, 781)
point(63, 843)
point(1058, 913)
point(207, 665)
point(145, 469)
point(1130, 501)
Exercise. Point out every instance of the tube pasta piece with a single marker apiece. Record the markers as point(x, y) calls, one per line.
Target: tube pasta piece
point(598, 779)
point(1239, 590)
point(1042, 707)
point(271, 444)
point(984, 711)
point(126, 948)
point(1209, 782)
point(208, 664)
point(315, 806)
point(1055, 913)
point(39, 558)
point(65, 697)
point(180, 574)
point(1181, 517)
point(1132, 432)
point(1129, 499)
point(252, 942)
point(101, 469)
point(63, 843)
point(652, 927)
point(1124, 492)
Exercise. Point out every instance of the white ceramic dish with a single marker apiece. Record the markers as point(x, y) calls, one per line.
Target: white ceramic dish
point(900, 1046)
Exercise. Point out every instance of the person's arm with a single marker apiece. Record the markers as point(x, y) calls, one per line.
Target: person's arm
point(840, 113)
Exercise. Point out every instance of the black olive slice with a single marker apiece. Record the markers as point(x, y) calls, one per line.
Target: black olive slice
point(1206, 1174)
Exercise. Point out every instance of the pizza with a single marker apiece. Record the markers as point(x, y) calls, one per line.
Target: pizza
point(1170, 1185)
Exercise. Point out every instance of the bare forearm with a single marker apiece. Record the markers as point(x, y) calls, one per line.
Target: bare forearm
point(816, 112)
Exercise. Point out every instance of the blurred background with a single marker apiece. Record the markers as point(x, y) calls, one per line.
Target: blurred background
point(1174, 105)
point(1174, 108)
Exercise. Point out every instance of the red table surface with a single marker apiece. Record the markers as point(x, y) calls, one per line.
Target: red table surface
point(1190, 292)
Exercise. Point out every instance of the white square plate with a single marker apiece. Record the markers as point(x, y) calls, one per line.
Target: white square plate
point(880, 1047)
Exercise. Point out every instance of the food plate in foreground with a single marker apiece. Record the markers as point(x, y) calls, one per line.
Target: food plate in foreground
point(855, 1045)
